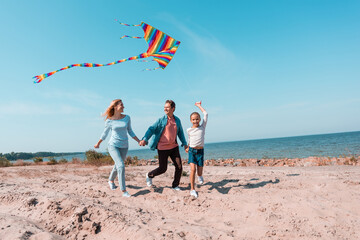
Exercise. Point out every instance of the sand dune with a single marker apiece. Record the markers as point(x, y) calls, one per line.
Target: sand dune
point(74, 202)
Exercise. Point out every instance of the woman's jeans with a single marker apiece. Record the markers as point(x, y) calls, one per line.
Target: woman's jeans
point(119, 156)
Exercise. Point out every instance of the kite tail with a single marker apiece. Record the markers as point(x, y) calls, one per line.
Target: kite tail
point(129, 25)
point(41, 77)
point(151, 69)
point(131, 37)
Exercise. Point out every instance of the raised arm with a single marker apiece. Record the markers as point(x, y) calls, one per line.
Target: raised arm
point(198, 104)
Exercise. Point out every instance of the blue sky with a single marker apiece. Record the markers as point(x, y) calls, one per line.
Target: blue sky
point(262, 69)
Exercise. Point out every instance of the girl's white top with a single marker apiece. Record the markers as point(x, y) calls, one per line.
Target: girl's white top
point(197, 135)
point(119, 131)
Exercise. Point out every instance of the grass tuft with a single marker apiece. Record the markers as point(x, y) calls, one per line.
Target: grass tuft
point(4, 162)
point(97, 159)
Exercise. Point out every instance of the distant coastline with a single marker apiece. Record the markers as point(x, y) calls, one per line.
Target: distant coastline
point(315, 145)
point(14, 156)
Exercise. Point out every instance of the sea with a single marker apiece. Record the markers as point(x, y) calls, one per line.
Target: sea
point(321, 145)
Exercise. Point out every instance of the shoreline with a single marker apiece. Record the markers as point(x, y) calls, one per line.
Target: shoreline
point(265, 162)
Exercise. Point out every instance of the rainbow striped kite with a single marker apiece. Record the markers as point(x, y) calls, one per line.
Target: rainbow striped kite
point(162, 48)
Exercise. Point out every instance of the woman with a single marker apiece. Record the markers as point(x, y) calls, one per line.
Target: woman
point(120, 125)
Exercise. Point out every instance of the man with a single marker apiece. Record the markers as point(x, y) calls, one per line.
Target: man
point(166, 130)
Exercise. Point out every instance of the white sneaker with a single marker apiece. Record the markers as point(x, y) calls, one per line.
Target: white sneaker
point(193, 193)
point(112, 185)
point(148, 180)
point(126, 194)
point(176, 188)
point(201, 179)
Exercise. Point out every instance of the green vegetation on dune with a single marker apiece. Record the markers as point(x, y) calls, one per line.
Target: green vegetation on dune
point(13, 156)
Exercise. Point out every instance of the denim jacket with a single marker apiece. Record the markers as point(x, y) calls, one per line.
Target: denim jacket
point(157, 129)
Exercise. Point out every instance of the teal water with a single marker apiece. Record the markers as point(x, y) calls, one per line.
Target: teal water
point(326, 145)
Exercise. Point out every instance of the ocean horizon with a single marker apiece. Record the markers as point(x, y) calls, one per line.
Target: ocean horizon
point(317, 145)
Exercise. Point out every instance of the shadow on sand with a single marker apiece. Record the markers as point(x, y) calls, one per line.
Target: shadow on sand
point(145, 190)
point(142, 192)
point(222, 188)
point(219, 186)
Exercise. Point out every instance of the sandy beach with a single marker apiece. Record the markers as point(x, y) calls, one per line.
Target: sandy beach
point(74, 201)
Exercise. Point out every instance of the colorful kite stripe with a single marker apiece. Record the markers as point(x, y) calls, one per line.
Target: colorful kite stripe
point(164, 57)
point(157, 40)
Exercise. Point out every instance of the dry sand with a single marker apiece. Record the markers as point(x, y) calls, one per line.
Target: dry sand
point(75, 202)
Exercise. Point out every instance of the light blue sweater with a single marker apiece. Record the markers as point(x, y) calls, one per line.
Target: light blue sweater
point(119, 130)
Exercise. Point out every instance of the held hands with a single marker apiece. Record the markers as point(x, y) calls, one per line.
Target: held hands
point(142, 143)
point(186, 148)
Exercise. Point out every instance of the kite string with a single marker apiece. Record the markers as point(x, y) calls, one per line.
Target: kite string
point(182, 76)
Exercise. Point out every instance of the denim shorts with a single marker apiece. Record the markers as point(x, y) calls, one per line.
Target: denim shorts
point(196, 156)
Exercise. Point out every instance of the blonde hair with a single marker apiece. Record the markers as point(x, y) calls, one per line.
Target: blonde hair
point(110, 110)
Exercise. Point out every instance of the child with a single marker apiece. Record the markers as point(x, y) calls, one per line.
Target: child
point(196, 147)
